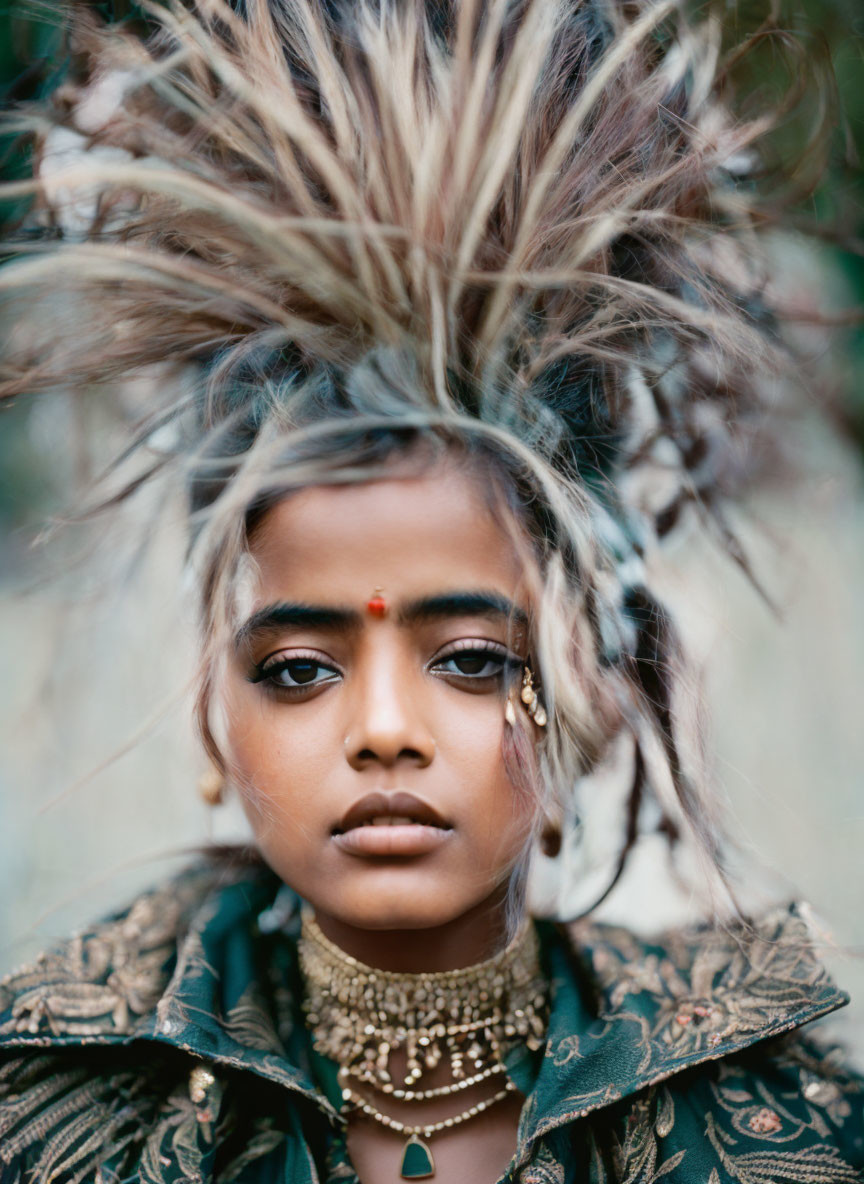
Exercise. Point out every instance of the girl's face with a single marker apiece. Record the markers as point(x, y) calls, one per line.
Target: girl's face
point(370, 745)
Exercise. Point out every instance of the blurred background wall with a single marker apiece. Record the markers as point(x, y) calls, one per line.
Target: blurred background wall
point(95, 671)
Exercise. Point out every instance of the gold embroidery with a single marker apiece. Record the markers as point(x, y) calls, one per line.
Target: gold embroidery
point(65, 1118)
point(708, 986)
point(249, 1023)
point(665, 1115)
point(141, 1115)
point(638, 1157)
point(262, 1140)
point(823, 1080)
point(564, 1050)
point(101, 981)
point(816, 1164)
point(545, 1168)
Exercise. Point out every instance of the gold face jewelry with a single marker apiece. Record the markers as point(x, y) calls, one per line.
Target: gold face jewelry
point(357, 1015)
point(530, 698)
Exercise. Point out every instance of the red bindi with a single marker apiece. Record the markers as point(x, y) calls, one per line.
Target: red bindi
point(377, 605)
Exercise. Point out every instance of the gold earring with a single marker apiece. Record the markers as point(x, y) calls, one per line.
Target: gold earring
point(510, 712)
point(531, 700)
point(211, 787)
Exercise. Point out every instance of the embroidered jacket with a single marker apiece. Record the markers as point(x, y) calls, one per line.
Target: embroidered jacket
point(166, 1044)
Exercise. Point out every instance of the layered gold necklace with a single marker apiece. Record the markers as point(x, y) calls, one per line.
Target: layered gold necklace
point(358, 1016)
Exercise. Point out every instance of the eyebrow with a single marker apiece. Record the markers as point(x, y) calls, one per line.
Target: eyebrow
point(288, 614)
point(291, 615)
point(461, 604)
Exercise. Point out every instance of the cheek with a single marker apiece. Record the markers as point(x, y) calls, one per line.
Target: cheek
point(475, 750)
point(272, 755)
point(470, 732)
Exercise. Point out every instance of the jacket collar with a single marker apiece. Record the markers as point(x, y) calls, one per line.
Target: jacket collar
point(628, 1013)
point(189, 964)
point(207, 963)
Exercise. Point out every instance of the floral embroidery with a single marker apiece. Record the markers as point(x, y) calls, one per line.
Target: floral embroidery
point(565, 1050)
point(180, 1067)
point(545, 1168)
point(638, 1157)
point(102, 981)
point(709, 986)
point(814, 1164)
point(250, 1024)
point(764, 1121)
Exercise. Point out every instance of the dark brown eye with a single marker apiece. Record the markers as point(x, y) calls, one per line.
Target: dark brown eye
point(299, 670)
point(479, 663)
point(471, 663)
point(294, 673)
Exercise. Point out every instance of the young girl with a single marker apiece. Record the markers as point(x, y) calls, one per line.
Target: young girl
point(449, 311)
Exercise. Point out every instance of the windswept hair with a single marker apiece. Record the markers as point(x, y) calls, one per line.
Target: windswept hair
point(520, 233)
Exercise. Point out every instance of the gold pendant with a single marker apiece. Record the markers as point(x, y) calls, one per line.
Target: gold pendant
point(417, 1161)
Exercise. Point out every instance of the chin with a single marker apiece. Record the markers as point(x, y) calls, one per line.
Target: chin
point(401, 905)
point(398, 914)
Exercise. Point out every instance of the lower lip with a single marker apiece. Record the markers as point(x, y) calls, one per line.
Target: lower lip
point(392, 840)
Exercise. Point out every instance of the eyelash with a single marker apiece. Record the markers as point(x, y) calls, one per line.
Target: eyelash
point(266, 672)
point(472, 649)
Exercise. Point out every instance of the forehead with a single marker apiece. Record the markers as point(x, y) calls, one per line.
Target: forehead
point(408, 535)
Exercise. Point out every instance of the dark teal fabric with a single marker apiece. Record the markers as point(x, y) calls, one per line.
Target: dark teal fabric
point(677, 1060)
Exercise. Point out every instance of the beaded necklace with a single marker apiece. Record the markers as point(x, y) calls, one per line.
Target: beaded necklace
point(358, 1015)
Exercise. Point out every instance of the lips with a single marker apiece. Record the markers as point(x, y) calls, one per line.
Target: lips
point(391, 824)
point(400, 808)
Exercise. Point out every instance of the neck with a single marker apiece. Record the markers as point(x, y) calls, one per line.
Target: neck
point(470, 938)
point(366, 1016)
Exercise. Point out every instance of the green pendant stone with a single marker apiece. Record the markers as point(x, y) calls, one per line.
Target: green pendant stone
point(417, 1161)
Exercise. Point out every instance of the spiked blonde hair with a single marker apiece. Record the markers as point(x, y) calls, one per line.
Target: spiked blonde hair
point(506, 230)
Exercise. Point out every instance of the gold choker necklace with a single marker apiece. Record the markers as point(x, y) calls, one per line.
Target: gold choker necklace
point(358, 1015)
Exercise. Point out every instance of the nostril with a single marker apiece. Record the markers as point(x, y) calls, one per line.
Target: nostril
point(370, 754)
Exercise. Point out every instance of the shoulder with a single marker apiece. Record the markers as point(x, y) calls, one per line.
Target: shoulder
point(711, 988)
point(786, 1111)
point(85, 1076)
point(105, 979)
point(734, 1088)
point(64, 1110)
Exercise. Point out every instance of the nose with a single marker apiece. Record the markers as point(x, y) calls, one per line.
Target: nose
point(387, 724)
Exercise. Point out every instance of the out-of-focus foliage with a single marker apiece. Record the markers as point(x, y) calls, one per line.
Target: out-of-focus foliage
point(31, 55)
point(842, 193)
point(29, 47)
point(820, 146)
